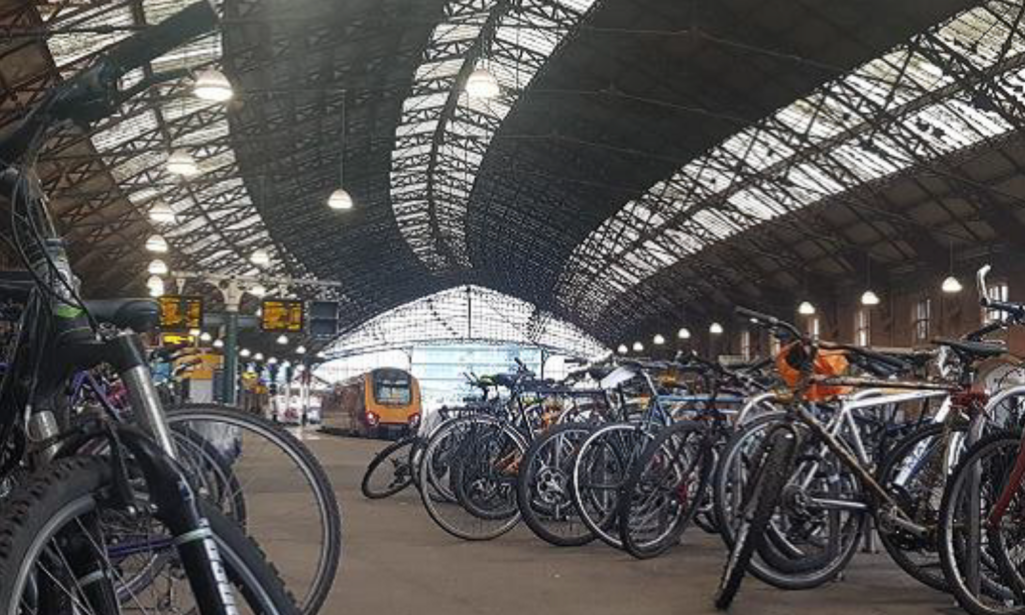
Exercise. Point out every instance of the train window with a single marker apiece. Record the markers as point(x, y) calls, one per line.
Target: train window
point(392, 388)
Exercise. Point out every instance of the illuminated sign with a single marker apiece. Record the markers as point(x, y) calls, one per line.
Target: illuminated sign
point(180, 312)
point(282, 315)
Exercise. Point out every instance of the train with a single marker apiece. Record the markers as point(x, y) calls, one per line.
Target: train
point(382, 403)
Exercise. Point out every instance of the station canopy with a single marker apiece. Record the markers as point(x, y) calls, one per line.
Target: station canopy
point(637, 159)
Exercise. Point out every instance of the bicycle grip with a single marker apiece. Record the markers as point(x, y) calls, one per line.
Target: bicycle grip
point(192, 21)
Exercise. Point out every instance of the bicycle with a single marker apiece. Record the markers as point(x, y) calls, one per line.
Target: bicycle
point(805, 519)
point(62, 526)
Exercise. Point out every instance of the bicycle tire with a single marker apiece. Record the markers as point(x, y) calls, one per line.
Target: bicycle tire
point(762, 499)
point(635, 483)
point(378, 461)
point(442, 506)
point(951, 553)
point(526, 490)
point(312, 597)
point(70, 487)
point(897, 453)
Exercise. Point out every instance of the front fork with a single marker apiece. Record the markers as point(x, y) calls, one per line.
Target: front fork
point(168, 488)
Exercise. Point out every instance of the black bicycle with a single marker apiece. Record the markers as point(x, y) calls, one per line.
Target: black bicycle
point(124, 530)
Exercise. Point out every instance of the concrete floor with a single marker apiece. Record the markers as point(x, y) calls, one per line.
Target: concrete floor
point(397, 562)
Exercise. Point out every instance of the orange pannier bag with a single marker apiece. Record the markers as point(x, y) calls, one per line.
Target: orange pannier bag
point(827, 363)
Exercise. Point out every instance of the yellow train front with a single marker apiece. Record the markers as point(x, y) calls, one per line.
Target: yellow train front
point(382, 403)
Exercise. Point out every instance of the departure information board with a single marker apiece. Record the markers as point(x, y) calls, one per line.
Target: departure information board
point(181, 312)
point(282, 315)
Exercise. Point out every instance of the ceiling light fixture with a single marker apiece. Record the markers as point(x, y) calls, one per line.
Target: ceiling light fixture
point(806, 308)
point(258, 290)
point(205, 337)
point(212, 85)
point(869, 298)
point(244, 353)
point(638, 347)
point(282, 339)
point(156, 243)
point(683, 333)
point(340, 199)
point(218, 343)
point(300, 349)
point(180, 162)
point(715, 328)
point(658, 340)
point(482, 84)
point(260, 257)
point(158, 267)
point(951, 285)
point(258, 356)
point(622, 349)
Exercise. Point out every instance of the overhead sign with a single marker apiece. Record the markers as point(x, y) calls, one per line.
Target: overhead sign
point(181, 312)
point(323, 319)
point(282, 315)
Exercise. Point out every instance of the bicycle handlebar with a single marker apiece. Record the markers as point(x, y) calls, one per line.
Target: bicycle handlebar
point(767, 320)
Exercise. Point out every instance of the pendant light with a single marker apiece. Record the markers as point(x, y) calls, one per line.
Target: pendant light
point(638, 347)
point(205, 336)
point(272, 361)
point(244, 353)
point(260, 257)
point(154, 280)
point(482, 84)
point(180, 162)
point(658, 340)
point(340, 199)
point(869, 297)
point(156, 291)
point(156, 243)
point(158, 267)
point(162, 213)
point(300, 349)
point(622, 349)
point(282, 339)
point(258, 356)
point(258, 290)
point(715, 329)
point(321, 355)
point(218, 343)
point(212, 85)
point(806, 309)
point(951, 285)
point(683, 333)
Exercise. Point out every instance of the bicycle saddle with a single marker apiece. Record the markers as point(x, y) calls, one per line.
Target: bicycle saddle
point(979, 350)
point(139, 315)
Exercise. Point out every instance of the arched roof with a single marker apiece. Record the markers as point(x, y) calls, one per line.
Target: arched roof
point(644, 156)
point(469, 314)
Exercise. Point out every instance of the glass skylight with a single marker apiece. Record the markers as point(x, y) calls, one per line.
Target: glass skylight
point(440, 144)
point(467, 314)
point(903, 109)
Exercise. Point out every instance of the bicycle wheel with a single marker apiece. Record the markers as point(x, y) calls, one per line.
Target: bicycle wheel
point(915, 473)
point(820, 519)
point(663, 490)
point(543, 491)
point(53, 533)
point(468, 475)
point(390, 471)
point(982, 562)
point(256, 463)
point(600, 469)
point(760, 500)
